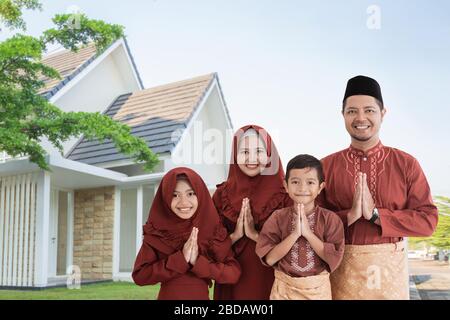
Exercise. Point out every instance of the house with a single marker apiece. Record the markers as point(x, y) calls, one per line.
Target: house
point(86, 214)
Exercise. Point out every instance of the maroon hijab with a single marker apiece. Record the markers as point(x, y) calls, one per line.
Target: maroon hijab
point(168, 233)
point(265, 191)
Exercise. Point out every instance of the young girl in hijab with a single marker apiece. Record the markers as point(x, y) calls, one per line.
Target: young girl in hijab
point(253, 190)
point(184, 246)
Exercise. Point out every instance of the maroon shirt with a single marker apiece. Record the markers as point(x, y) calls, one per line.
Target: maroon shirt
point(179, 280)
point(302, 261)
point(398, 186)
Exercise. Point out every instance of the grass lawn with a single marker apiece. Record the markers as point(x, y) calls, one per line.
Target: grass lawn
point(101, 291)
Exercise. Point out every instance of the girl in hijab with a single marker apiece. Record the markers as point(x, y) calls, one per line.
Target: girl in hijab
point(184, 246)
point(254, 189)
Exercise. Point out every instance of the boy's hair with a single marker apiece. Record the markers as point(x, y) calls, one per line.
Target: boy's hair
point(305, 161)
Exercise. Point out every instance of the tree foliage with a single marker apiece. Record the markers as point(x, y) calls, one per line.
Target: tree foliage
point(11, 12)
point(441, 237)
point(26, 117)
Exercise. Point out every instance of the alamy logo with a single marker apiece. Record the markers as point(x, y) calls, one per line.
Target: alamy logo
point(373, 277)
point(374, 20)
point(73, 277)
point(74, 21)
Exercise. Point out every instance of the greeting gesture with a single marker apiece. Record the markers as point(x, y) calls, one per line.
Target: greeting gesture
point(194, 247)
point(298, 222)
point(249, 223)
point(367, 200)
point(306, 229)
point(239, 229)
point(363, 203)
point(190, 248)
point(356, 211)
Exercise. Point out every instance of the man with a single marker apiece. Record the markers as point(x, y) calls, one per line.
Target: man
point(381, 194)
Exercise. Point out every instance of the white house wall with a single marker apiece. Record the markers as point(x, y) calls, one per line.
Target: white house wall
point(210, 120)
point(17, 230)
point(97, 89)
point(218, 119)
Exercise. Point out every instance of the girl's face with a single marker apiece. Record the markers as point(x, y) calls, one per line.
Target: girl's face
point(184, 202)
point(252, 155)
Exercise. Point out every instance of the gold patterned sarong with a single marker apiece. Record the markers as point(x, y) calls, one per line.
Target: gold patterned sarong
point(286, 287)
point(372, 272)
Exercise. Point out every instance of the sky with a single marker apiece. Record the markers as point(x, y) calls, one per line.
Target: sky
point(284, 64)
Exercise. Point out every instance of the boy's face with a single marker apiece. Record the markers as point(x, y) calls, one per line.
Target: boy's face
point(184, 202)
point(252, 156)
point(303, 185)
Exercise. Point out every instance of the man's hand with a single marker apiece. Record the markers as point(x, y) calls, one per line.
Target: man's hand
point(356, 211)
point(367, 200)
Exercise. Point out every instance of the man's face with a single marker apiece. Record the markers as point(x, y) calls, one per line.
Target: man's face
point(363, 117)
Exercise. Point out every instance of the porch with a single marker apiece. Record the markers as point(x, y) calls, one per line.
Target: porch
point(77, 220)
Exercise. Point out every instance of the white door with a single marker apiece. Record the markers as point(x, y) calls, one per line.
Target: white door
point(53, 234)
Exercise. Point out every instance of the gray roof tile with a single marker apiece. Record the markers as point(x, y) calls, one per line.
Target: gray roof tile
point(153, 114)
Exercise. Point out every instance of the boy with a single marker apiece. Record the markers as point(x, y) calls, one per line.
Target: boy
point(304, 242)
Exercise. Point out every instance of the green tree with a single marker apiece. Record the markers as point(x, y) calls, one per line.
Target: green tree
point(26, 116)
point(441, 237)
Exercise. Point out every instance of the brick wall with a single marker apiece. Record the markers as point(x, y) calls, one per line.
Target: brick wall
point(93, 232)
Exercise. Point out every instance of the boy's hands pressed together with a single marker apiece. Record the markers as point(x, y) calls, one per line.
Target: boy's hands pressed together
point(298, 222)
point(306, 230)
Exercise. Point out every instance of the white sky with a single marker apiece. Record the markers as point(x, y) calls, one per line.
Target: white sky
point(284, 64)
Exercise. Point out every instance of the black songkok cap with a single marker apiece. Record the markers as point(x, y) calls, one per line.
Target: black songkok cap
point(362, 85)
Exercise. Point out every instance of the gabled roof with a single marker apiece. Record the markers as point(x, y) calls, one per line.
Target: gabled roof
point(153, 114)
point(69, 64)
